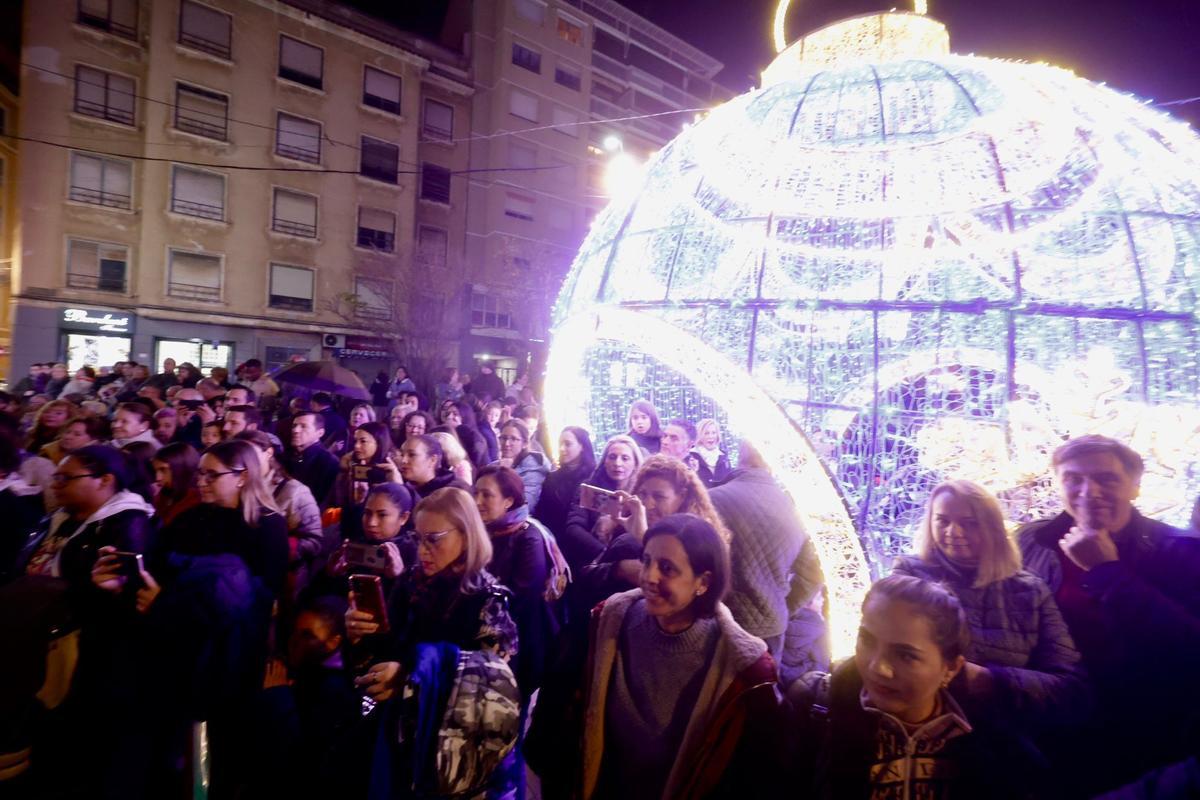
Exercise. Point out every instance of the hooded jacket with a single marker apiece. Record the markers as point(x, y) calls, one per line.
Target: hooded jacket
point(122, 522)
point(727, 745)
point(533, 468)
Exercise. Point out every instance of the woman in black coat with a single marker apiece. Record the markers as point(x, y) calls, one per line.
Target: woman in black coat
point(587, 530)
point(576, 461)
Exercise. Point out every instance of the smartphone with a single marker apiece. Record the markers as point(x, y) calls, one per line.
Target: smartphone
point(594, 498)
point(366, 594)
point(130, 567)
point(366, 556)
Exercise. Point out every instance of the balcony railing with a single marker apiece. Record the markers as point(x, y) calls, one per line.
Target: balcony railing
point(610, 66)
point(103, 111)
point(203, 127)
point(218, 49)
point(193, 292)
point(102, 283)
point(294, 228)
point(98, 197)
point(298, 153)
point(107, 24)
point(195, 209)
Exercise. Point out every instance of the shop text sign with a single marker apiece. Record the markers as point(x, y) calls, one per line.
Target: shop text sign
point(91, 319)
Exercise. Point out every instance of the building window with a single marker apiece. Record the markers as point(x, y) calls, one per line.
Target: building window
point(439, 121)
point(568, 76)
point(432, 246)
point(201, 112)
point(101, 181)
point(194, 276)
point(521, 156)
point(294, 213)
point(518, 206)
point(435, 183)
point(526, 59)
point(374, 298)
point(569, 30)
point(531, 11)
point(115, 16)
point(376, 229)
point(96, 265)
point(381, 90)
point(298, 138)
point(566, 122)
point(523, 105)
point(380, 160)
point(198, 194)
point(489, 312)
point(300, 62)
point(104, 95)
point(205, 29)
point(291, 288)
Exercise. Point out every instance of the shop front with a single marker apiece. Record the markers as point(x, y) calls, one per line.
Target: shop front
point(204, 355)
point(95, 337)
point(367, 356)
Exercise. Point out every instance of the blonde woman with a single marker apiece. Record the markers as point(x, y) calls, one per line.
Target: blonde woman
point(587, 530)
point(454, 457)
point(446, 596)
point(1021, 657)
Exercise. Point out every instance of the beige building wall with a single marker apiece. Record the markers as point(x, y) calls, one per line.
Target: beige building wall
point(524, 228)
point(10, 176)
point(244, 237)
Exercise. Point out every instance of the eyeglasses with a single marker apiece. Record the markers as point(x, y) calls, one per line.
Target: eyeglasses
point(209, 476)
point(431, 540)
point(510, 439)
point(59, 478)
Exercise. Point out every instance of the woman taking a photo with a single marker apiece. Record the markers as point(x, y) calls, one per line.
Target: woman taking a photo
point(371, 446)
point(662, 486)
point(576, 461)
point(519, 563)
point(385, 513)
point(1021, 659)
point(175, 481)
point(883, 724)
point(587, 530)
point(447, 595)
point(680, 701)
point(515, 453)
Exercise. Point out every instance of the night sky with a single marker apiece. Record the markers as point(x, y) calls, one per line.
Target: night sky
point(1148, 47)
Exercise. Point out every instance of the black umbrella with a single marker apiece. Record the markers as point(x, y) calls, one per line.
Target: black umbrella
point(325, 376)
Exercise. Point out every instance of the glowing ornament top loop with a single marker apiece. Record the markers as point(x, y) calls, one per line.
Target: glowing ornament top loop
point(921, 7)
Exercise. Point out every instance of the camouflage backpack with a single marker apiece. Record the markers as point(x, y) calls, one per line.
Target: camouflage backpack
point(480, 726)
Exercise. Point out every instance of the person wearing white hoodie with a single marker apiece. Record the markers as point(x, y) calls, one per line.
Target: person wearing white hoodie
point(98, 510)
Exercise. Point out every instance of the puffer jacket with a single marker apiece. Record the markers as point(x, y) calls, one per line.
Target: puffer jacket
point(1018, 633)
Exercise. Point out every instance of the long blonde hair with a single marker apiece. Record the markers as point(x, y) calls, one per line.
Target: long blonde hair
point(459, 507)
point(686, 483)
point(256, 497)
point(998, 558)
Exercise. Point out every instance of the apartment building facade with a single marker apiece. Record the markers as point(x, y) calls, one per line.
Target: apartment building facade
point(229, 179)
point(545, 72)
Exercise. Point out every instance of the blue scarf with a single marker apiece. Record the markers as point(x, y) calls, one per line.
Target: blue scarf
point(510, 520)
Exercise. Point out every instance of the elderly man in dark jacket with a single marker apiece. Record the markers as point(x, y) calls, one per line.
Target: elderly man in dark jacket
point(775, 569)
point(1129, 589)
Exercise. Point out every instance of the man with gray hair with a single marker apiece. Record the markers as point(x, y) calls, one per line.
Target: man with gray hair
point(1129, 590)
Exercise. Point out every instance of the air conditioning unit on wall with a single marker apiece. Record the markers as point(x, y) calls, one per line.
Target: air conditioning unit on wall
point(334, 340)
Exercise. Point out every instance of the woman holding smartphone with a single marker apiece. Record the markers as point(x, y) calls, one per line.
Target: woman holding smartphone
point(380, 548)
point(361, 468)
point(590, 524)
point(447, 595)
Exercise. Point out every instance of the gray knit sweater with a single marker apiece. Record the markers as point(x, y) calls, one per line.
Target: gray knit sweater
point(775, 569)
point(654, 689)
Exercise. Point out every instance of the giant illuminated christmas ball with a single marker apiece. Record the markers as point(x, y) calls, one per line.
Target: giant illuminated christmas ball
point(891, 265)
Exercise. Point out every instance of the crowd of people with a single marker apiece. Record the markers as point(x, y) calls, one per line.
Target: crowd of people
point(213, 589)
